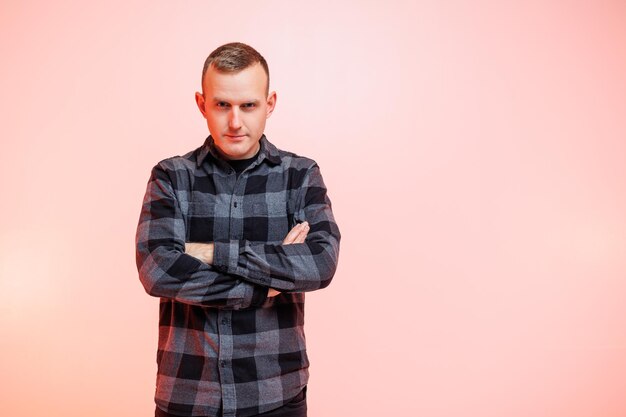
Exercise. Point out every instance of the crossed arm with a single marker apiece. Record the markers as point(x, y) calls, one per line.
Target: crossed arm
point(204, 251)
point(231, 273)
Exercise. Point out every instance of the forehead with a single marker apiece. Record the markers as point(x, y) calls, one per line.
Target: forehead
point(249, 83)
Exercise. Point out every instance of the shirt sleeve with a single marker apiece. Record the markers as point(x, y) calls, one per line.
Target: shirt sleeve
point(297, 267)
point(165, 270)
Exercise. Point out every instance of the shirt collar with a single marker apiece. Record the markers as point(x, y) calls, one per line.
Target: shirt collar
point(267, 151)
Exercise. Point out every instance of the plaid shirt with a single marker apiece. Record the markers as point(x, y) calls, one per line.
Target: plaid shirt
point(224, 346)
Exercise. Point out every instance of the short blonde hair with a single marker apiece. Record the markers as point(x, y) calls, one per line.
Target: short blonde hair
point(234, 57)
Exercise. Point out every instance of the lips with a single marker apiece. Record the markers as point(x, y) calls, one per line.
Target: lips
point(236, 137)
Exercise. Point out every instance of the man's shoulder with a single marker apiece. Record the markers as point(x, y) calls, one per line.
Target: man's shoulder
point(186, 161)
point(293, 160)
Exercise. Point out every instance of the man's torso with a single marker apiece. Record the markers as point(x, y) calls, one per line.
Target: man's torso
point(249, 360)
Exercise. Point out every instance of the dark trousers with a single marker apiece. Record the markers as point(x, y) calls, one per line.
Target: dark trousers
point(294, 408)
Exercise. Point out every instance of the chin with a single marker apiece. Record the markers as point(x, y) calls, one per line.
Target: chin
point(238, 152)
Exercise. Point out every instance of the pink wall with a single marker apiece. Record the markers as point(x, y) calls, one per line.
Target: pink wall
point(475, 153)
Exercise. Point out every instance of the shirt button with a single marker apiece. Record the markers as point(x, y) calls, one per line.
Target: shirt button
point(224, 321)
point(222, 364)
point(235, 204)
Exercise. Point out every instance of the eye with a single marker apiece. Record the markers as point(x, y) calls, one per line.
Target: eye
point(222, 104)
point(248, 105)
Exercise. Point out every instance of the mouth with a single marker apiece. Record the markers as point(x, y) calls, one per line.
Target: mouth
point(235, 137)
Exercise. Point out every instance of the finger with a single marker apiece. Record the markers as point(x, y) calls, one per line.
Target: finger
point(272, 292)
point(303, 233)
point(293, 234)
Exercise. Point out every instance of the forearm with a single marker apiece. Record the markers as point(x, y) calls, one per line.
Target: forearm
point(200, 251)
point(171, 274)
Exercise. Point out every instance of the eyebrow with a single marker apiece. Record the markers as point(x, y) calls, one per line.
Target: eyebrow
point(219, 100)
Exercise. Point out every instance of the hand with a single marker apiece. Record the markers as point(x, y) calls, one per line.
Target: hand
point(297, 234)
point(202, 251)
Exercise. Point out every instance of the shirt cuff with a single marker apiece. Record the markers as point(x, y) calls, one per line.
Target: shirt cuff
point(226, 255)
point(259, 296)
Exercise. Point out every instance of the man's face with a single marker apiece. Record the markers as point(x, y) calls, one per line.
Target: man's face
point(236, 109)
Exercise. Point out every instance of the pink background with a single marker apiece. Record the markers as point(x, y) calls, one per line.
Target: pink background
point(475, 153)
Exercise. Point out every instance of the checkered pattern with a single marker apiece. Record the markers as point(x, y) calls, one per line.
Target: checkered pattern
point(224, 347)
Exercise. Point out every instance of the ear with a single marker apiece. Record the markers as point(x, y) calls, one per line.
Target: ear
point(200, 103)
point(271, 104)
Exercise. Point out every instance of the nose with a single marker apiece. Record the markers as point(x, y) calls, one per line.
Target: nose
point(234, 120)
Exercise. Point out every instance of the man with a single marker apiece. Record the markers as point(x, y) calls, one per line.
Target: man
point(230, 237)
